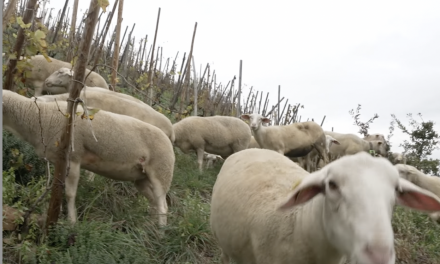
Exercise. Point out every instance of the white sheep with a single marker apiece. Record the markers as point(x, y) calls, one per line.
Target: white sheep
point(398, 158)
point(219, 135)
point(313, 155)
point(374, 137)
point(113, 102)
point(350, 144)
point(127, 148)
point(253, 143)
point(377, 137)
point(211, 159)
point(427, 182)
point(42, 69)
point(294, 140)
point(344, 209)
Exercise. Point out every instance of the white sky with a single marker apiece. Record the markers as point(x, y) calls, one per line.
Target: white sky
point(327, 55)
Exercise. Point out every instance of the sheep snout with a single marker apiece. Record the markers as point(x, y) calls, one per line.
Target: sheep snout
point(379, 254)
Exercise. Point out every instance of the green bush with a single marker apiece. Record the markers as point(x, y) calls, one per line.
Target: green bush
point(21, 155)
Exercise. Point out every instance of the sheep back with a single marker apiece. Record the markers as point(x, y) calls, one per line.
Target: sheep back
point(249, 187)
point(42, 69)
point(130, 150)
point(220, 135)
point(112, 102)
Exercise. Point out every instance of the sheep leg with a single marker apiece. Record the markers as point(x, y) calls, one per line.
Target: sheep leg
point(200, 153)
point(71, 186)
point(322, 155)
point(154, 191)
point(224, 258)
point(308, 163)
point(38, 86)
point(90, 175)
point(209, 164)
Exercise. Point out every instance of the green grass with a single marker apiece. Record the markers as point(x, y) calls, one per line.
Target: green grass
point(114, 226)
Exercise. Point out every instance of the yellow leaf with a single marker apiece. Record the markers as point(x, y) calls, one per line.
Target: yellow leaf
point(103, 4)
point(296, 184)
point(22, 24)
point(15, 152)
point(47, 57)
point(92, 111)
point(67, 115)
point(40, 37)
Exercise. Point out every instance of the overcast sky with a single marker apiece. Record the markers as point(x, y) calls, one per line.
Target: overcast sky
point(329, 56)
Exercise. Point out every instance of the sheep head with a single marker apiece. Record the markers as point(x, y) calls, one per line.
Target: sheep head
point(255, 120)
point(358, 194)
point(59, 78)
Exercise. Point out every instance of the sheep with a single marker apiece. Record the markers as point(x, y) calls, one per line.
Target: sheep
point(350, 144)
point(374, 137)
point(257, 218)
point(313, 155)
point(427, 182)
point(101, 90)
point(42, 69)
point(377, 137)
point(294, 140)
point(219, 135)
point(253, 143)
point(211, 158)
point(112, 101)
point(127, 148)
point(398, 158)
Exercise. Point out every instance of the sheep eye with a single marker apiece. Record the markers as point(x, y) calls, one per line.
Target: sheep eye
point(332, 185)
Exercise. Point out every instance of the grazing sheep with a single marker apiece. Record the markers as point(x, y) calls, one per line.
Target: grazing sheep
point(295, 140)
point(377, 137)
point(111, 101)
point(219, 135)
point(127, 149)
point(211, 158)
point(42, 69)
point(398, 158)
point(427, 182)
point(350, 144)
point(344, 209)
point(253, 143)
point(313, 155)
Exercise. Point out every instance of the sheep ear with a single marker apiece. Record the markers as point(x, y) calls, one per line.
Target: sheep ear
point(245, 117)
point(414, 197)
point(265, 120)
point(309, 187)
point(336, 142)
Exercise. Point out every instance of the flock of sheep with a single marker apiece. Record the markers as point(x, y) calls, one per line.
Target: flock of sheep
point(284, 194)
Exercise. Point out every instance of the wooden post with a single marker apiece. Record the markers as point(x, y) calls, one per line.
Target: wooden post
point(116, 47)
point(60, 22)
point(322, 122)
point(278, 115)
point(239, 91)
point(195, 86)
point(150, 70)
point(63, 153)
point(72, 30)
point(12, 64)
point(98, 54)
point(10, 10)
